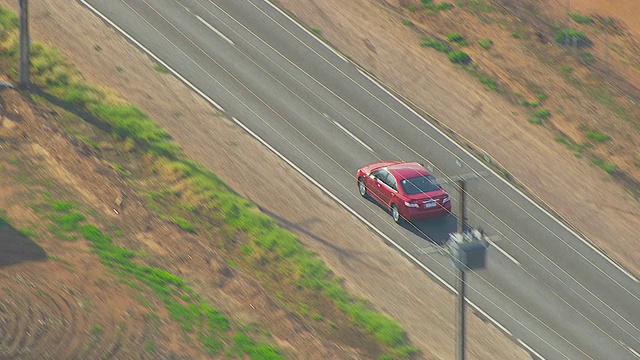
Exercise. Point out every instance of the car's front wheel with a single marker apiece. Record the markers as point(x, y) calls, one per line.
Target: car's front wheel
point(362, 188)
point(395, 213)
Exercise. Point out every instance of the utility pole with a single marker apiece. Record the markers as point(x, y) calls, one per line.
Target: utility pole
point(460, 310)
point(467, 251)
point(25, 44)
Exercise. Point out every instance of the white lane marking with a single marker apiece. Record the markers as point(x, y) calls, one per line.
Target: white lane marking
point(530, 349)
point(506, 254)
point(355, 138)
point(154, 56)
point(629, 349)
point(184, 7)
point(212, 28)
point(623, 270)
point(307, 31)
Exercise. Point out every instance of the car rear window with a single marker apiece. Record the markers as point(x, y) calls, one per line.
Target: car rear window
point(420, 184)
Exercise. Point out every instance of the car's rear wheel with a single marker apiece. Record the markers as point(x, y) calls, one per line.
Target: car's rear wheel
point(395, 213)
point(362, 188)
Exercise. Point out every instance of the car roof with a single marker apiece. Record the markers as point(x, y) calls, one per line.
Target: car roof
point(407, 170)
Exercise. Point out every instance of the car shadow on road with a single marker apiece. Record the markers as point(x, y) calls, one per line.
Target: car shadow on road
point(15, 247)
point(435, 230)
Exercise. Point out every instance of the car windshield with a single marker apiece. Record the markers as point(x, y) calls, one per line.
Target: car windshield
point(420, 184)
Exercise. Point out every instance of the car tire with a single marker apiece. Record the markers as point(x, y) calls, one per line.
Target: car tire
point(395, 214)
point(362, 188)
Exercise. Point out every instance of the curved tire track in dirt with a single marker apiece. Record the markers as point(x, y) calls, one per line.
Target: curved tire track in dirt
point(40, 320)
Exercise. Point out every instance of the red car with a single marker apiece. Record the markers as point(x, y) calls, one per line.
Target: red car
point(407, 189)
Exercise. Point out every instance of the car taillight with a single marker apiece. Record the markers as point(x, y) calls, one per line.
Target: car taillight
point(411, 205)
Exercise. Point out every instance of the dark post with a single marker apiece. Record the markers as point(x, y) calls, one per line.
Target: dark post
point(467, 249)
point(461, 212)
point(25, 44)
point(460, 313)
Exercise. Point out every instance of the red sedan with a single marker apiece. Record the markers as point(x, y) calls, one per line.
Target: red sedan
point(407, 189)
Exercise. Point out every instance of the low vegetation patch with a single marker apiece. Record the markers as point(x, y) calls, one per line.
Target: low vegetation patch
point(580, 19)
point(599, 137)
point(572, 145)
point(435, 44)
point(476, 6)
point(607, 166)
point(485, 43)
point(432, 7)
point(214, 331)
point(484, 78)
point(459, 57)
point(539, 116)
point(569, 36)
point(456, 38)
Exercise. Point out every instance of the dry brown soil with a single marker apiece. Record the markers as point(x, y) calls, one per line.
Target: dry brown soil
point(371, 33)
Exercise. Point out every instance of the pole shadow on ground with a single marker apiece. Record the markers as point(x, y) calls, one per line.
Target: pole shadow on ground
point(16, 248)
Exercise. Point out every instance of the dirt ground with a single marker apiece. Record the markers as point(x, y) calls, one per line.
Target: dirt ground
point(371, 33)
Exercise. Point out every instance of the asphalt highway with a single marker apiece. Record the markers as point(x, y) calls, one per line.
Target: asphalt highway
point(550, 290)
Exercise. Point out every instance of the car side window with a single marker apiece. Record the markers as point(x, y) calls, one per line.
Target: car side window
point(384, 176)
point(391, 181)
point(380, 175)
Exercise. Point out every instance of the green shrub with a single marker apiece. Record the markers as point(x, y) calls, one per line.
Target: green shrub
point(459, 57)
point(407, 22)
point(68, 221)
point(587, 57)
point(184, 224)
point(8, 22)
point(81, 95)
point(567, 35)
point(476, 6)
point(128, 121)
point(456, 38)
point(485, 43)
point(519, 33)
point(488, 82)
point(580, 19)
point(608, 167)
point(412, 8)
point(599, 137)
point(542, 114)
point(435, 44)
point(541, 96)
point(62, 205)
point(444, 6)
point(243, 343)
